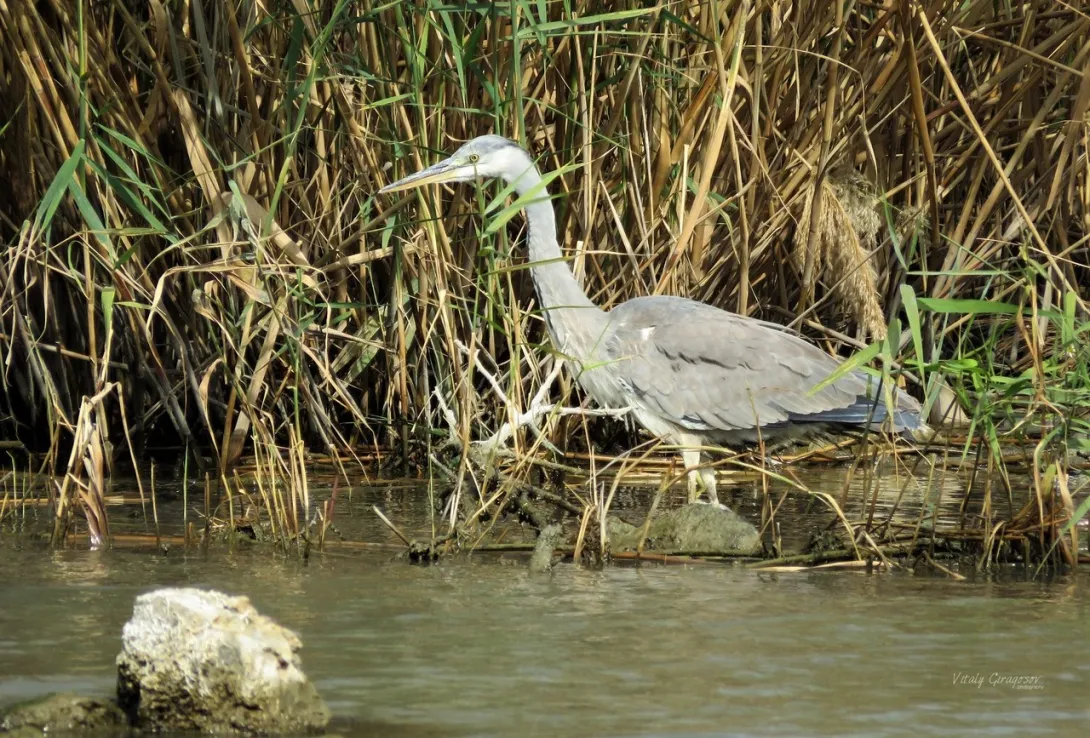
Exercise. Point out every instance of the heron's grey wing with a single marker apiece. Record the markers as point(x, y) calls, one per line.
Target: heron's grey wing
point(706, 369)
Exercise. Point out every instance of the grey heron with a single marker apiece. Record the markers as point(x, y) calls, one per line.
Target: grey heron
point(694, 375)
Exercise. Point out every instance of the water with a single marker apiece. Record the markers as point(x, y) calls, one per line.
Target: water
point(477, 646)
point(481, 647)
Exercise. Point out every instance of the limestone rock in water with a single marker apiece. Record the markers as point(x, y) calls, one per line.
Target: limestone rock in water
point(65, 714)
point(708, 529)
point(200, 660)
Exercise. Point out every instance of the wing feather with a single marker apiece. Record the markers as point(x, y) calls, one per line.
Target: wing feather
point(704, 368)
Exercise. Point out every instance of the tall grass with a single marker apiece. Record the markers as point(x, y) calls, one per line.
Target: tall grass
point(192, 243)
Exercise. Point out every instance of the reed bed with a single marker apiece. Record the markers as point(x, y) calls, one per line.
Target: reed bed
point(194, 255)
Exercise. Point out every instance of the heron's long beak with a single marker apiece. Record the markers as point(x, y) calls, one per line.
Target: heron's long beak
point(444, 171)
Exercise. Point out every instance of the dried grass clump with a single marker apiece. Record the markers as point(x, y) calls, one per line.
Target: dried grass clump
point(841, 246)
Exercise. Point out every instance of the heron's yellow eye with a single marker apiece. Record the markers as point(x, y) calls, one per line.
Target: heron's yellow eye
point(474, 158)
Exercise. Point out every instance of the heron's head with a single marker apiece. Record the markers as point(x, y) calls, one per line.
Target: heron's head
point(481, 158)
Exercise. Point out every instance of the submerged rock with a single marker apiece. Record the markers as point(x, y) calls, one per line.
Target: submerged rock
point(707, 529)
point(542, 559)
point(199, 660)
point(64, 714)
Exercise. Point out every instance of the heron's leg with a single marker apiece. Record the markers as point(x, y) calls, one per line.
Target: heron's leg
point(708, 477)
point(692, 461)
point(700, 480)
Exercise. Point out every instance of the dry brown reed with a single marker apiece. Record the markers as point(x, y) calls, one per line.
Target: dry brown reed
point(842, 247)
point(196, 181)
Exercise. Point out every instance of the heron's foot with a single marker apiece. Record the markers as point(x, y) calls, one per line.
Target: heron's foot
point(704, 499)
point(720, 505)
point(702, 481)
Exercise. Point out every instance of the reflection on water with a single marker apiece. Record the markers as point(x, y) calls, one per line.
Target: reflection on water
point(894, 497)
point(479, 646)
point(891, 497)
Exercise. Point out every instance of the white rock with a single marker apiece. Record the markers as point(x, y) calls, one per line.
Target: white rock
point(200, 660)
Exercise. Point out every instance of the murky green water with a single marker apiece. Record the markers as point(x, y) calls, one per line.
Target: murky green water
point(478, 646)
point(481, 647)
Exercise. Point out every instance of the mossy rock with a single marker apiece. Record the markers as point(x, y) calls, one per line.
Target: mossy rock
point(707, 529)
point(65, 714)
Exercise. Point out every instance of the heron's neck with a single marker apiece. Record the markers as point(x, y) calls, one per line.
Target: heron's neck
point(575, 323)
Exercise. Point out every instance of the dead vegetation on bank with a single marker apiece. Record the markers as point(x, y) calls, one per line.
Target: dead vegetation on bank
point(192, 250)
